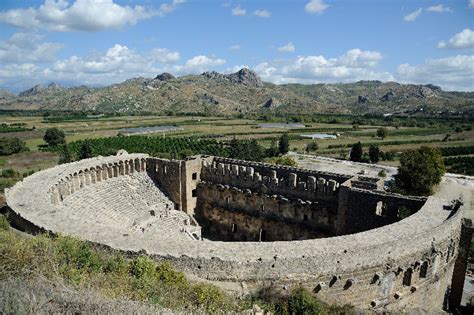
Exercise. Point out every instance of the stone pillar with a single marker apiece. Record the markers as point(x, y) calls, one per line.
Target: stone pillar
point(115, 169)
point(98, 174)
point(227, 169)
point(250, 171)
point(257, 177)
point(460, 266)
point(76, 182)
point(242, 170)
point(273, 174)
point(321, 185)
point(82, 180)
point(292, 180)
point(143, 165)
point(121, 168)
point(332, 184)
point(127, 168)
point(93, 176)
point(131, 165)
point(137, 165)
point(220, 169)
point(87, 178)
point(311, 183)
point(234, 170)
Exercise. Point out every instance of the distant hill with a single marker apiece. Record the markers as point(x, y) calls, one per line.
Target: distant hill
point(240, 92)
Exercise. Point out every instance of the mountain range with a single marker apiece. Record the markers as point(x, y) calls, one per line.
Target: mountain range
point(241, 92)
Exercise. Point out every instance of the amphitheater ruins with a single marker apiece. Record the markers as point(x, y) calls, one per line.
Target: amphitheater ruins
point(245, 226)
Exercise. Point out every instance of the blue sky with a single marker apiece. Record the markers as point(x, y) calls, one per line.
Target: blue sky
point(98, 42)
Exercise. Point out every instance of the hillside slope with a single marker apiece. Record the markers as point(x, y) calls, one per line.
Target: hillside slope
point(240, 92)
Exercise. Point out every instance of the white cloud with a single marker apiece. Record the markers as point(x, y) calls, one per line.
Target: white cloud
point(438, 8)
point(462, 40)
point(198, 64)
point(471, 3)
point(234, 47)
point(352, 66)
point(24, 47)
point(287, 48)
point(238, 11)
point(413, 16)
point(262, 13)
point(81, 15)
point(116, 64)
point(451, 73)
point(166, 8)
point(316, 6)
point(360, 58)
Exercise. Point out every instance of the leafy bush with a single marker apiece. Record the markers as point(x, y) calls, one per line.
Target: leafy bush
point(312, 146)
point(11, 146)
point(382, 173)
point(4, 224)
point(303, 302)
point(8, 173)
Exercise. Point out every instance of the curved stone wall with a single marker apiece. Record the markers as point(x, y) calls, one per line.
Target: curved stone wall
point(404, 264)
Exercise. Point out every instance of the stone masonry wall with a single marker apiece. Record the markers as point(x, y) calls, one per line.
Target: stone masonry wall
point(235, 214)
point(362, 210)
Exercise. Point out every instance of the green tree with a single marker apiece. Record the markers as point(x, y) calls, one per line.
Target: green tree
point(356, 152)
point(65, 155)
point(54, 137)
point(85, 150)
point(273, 149)
point(420, 170)
point(312, 146)
point(382, 132)
point(284, 144)
point(374, 153)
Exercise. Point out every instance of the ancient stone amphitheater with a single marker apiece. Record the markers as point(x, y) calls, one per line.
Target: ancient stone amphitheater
point(246, 226)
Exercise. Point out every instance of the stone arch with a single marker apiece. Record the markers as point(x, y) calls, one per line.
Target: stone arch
point(121, 168)
point(137, 164)
point(93, 175)
point(407, 276)
point(131, 166)
point(98, 174)
point(424, 269)
point(87, 177)
point(115, 168)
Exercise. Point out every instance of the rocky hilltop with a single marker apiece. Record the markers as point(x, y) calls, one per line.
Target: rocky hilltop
point(240, 92)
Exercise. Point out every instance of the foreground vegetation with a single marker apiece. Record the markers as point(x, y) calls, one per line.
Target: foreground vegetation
point(78, 265)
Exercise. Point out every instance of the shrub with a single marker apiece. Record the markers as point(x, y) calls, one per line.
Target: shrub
point(4, 224)
point(210, 298)
point(54, 137)
point(141, 267)
point(303, 302)
point(8, 173)
point(382, 133)
point(12, 145)
point(286, 161)
point(312, 146)
point(382, 173)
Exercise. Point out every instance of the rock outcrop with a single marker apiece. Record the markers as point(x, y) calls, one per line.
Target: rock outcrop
point(243, 76)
